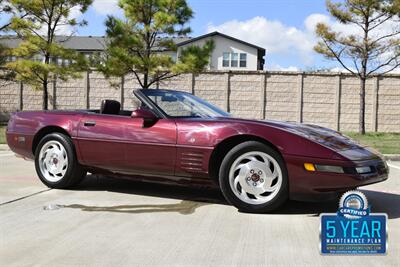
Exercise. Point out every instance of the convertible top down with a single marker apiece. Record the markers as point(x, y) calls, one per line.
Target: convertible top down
point(173, 136)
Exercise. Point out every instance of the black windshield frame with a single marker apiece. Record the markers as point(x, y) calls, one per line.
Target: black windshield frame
point(145, 96)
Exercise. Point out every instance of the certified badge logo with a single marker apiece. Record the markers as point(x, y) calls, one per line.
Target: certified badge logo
point(353, 205)
point(353, 229)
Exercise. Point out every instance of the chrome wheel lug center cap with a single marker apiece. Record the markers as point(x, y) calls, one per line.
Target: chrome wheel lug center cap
point(255, 177)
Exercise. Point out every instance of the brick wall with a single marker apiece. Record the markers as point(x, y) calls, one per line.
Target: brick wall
point(330, 100)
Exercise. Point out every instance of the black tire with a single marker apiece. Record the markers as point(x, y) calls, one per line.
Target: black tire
point(250, 146)
point(74, 174)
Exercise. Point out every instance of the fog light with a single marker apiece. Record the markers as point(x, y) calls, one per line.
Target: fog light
point(328, 168)
point(309, 167)
point(363, 169)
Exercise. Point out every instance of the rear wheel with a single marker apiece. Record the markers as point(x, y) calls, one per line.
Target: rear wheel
point(56, 163)
point(253, 177)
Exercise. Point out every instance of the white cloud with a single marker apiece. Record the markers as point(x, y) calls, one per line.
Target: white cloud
point(339, 69)
point(278, 67)
point(312, 20)
point(276, 37)
point(75, 13)
point(63, 28)
point(396, 71)
point(288, 41)
point(106, 7)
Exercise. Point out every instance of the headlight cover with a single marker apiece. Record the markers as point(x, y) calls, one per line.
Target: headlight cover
point(328, 168)
point(365, 169)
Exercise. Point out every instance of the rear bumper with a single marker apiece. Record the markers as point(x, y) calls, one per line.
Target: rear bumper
point(20, 144)
point(320, 186)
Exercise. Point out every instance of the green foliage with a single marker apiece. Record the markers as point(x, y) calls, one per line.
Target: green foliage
point(194, 58)
point(139, 42)
point(3, 135)
point(5, 73)
point(373, 48)
point(36, 73)
point(37, 30)
point(386, 143)
point(5, 9)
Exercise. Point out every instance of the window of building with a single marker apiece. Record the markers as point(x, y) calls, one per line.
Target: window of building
point(234, 60)
point(11, 58)
point(38, 58)
point(174, 57)
point(243, 60)
point(225, 59)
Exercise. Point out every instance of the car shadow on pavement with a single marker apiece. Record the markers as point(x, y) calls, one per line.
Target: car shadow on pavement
point(191, 197)
point(194, 197)
point(380, 202)
point(383, 202)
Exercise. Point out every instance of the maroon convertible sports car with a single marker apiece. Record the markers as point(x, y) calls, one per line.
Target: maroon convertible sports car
point(175, 136)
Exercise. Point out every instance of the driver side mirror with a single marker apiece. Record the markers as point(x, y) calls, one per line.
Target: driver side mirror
point(149, 118)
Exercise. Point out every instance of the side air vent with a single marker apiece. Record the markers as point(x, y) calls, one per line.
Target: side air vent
point(192, 161)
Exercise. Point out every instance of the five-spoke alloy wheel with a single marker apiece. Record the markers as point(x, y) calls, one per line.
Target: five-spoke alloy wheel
point(253, 177)
point(56, 163)
point(53, 161)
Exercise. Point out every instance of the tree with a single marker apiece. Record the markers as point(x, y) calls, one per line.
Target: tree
point(5, 74)
point(137, 44)
point(372, 47)
point(5, 9)
point(41, 51)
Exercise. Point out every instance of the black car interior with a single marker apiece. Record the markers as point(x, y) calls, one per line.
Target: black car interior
point(113, 107)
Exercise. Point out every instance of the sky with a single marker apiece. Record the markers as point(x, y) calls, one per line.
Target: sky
point(283, 27)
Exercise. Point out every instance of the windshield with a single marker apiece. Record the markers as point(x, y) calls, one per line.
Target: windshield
point(183, 105)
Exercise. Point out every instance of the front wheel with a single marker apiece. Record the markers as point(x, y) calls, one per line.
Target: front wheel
point(253, 177)
point(56, 163)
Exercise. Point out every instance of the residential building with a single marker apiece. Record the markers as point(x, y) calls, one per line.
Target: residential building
point(229, 53)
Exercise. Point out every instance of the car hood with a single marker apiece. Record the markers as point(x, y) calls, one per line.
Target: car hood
point(343, 145)
point(327, 137)
point(321, 135)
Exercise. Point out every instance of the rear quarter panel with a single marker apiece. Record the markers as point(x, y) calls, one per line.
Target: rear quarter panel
point(23, 126)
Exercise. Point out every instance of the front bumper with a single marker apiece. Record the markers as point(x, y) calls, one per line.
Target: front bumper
point(319, 185)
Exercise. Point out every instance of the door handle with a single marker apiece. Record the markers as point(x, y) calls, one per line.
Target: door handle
point(89, 123)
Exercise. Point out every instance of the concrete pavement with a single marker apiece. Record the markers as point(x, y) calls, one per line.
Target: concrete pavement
point(121, 223)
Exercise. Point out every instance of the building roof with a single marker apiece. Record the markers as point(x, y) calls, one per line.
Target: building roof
point(211, 34)
point(98, 43)
point(176, 40)
point(79, 43)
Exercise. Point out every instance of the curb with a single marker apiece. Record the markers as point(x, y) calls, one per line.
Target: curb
point(4, 147)
point(392, 156)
